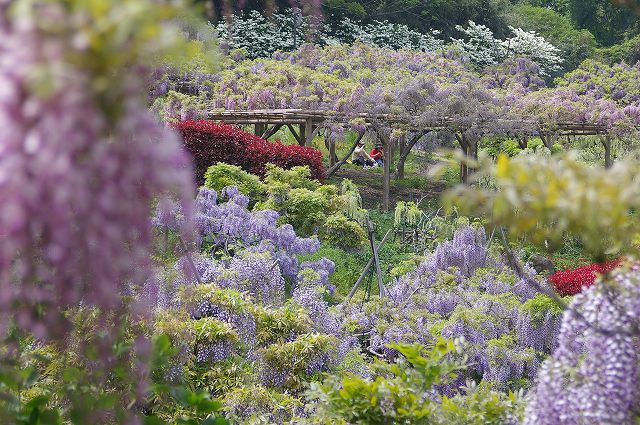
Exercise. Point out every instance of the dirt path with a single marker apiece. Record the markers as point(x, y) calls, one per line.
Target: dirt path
point(370, 185)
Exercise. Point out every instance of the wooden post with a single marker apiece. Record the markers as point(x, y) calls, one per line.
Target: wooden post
point(260, 129)
point(606, 142)
point(309, 132)
point(367, 267)
point(386, 174)
point(333, 158)
point(303, 135)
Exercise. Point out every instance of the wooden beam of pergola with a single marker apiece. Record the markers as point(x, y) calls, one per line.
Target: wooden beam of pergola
point(310, 121)
point(315, 118)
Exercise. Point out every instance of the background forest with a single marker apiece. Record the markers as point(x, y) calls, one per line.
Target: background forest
point(593, 23)
point(593, 29)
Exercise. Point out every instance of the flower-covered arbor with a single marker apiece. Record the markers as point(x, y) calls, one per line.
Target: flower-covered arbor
point(400, 96)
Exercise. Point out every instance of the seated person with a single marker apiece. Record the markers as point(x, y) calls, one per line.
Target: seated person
point(361, 157)
point(377, 154)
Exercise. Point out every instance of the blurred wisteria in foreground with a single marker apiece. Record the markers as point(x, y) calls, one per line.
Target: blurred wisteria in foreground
point(81, 159)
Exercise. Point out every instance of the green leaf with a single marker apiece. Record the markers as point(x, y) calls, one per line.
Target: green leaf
point(37, 402)
point(153, 420)
point(212, 420)
point(30, 376)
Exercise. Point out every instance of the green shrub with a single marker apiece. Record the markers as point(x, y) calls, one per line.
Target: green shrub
point(298, 177)
point(539, 305)
point(222, 377)
point(233, 301)
point(292, 363)
point(209, 331)
point(494, 147)
point(222, 175)
point(175, 324)
point(255, 404)
point(304, 210)
point(311, 208)
point(338, 230)
point(480, 405)
point(395, 394)
point(277, 325)
point(406, 266)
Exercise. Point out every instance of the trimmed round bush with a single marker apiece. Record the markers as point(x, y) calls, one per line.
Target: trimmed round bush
point(222, 175)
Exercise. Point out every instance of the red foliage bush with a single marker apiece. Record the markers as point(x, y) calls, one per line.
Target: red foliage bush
point(571, 282)
point(210, 143)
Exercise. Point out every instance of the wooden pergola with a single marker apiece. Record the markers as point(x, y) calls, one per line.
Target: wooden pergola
point(306, 124)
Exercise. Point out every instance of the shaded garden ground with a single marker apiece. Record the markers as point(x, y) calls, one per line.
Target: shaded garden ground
point(412, 188)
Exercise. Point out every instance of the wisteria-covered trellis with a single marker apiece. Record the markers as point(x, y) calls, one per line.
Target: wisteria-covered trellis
point(400, 97)
point(267, 122)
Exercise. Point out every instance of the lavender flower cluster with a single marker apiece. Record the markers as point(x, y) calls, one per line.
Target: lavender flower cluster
point(238, 282)
point(593, 375)
point(462, 292)
point(214, 352)
point(308, 293)
point(68, 165)
point(225, 222)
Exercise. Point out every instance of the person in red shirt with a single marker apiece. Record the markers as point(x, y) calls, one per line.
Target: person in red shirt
point(377, 154)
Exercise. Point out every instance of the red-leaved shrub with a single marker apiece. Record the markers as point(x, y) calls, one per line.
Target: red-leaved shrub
point(211, 143)
point(571, 282)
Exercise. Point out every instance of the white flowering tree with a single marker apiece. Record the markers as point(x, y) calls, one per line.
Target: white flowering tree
point(383, 34)
point(260, 36)
point(484, 49)
point(531, 45)
point(479, 45)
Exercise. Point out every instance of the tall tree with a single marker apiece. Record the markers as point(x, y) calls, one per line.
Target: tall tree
point(442, 15)
point(576, 45)
point(608, 22)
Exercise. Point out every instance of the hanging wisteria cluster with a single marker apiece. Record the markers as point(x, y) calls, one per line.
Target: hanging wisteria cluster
point(592, 376)
point(72, 155)
point(245, 297)
point(224, 224)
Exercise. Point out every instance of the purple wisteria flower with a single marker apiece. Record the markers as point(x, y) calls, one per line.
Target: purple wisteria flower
point(592, 376)
point(76, 178)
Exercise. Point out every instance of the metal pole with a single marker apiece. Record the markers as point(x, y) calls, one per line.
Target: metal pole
point(382, 289)
point(366, 268)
